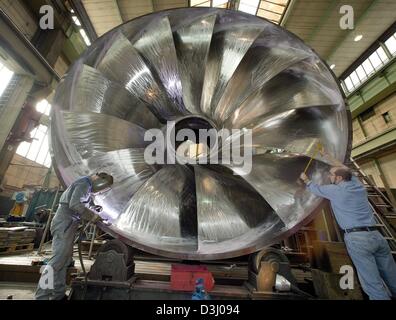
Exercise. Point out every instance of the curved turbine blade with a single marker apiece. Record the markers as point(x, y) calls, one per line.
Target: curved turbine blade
point(192, 43)
point(93, 92)
point(230, 42)
point(302, 130)
point(228, 207)
point(91, 133)
point(318, 132)
point(129, 170)
point(299, 86)
point(163, 211)
point(122, 63)
point(276, 178)
point(157, 47)
point(263, 61)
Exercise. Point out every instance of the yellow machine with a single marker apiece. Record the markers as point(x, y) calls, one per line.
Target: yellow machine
point(19, 206)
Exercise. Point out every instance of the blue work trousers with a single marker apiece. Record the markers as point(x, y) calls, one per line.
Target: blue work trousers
point(376, 268)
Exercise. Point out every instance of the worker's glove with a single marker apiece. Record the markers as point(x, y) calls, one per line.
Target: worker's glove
point(91, 216)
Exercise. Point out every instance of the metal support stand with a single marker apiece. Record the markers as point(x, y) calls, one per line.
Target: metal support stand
point(264, 267)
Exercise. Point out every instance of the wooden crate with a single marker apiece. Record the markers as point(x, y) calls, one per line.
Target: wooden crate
point(16, 248)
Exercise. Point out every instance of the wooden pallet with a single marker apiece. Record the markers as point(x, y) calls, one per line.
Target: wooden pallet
point(16, 248)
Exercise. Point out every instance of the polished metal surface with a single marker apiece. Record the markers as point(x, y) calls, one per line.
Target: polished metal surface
point(156, 46)
point(202, 68)
point(162, 212)
point(123, 63)
point(192, 41)
point(96, 93)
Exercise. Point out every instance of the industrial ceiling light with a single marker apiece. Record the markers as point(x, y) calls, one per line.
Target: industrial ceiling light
point(202, 68)
point(332, 66)
point(358, 38)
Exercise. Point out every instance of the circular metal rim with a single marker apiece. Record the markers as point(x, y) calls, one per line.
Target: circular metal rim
point(253, 248)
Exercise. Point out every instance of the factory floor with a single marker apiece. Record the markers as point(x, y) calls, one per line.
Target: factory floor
point(22, 283)
point(17, 290)
point(23, 290)
point(18, 278)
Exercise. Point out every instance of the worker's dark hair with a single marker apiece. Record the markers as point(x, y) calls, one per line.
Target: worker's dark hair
point(345, 173)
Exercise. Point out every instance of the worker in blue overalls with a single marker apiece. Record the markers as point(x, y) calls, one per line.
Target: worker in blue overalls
point(368, 249)
point(73, 207)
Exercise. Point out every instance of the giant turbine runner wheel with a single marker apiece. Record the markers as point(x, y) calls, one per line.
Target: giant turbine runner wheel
point(202, 68)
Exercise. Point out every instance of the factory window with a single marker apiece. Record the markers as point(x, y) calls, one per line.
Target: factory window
point(43, 107)
point(76, 21)
point(355, 79)
point(373, 63)
point(213, 3)
point(361, 73)
point(378, 58)
point(82, 31)
point(37, 149)
point(368, 67)
point(200, 3)
point(343, 85)
point(249, 6)
point(365, 115)
point(85, 37)
point(391, 44)
point(219, 3)
point(387, 117)
point(272, 10)
point(5, 77)
point(348, 84)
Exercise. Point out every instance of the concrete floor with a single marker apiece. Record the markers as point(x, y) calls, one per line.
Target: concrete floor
point(17, 290)
point(26, 290)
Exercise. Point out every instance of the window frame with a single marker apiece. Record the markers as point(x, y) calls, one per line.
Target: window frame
point(377, 60)
point(25, 148)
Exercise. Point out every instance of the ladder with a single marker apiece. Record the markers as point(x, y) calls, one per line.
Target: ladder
point(381, 205)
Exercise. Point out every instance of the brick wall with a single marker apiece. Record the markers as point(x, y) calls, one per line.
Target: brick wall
point(388, 166)
point(376, 123)
point(357, 132)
